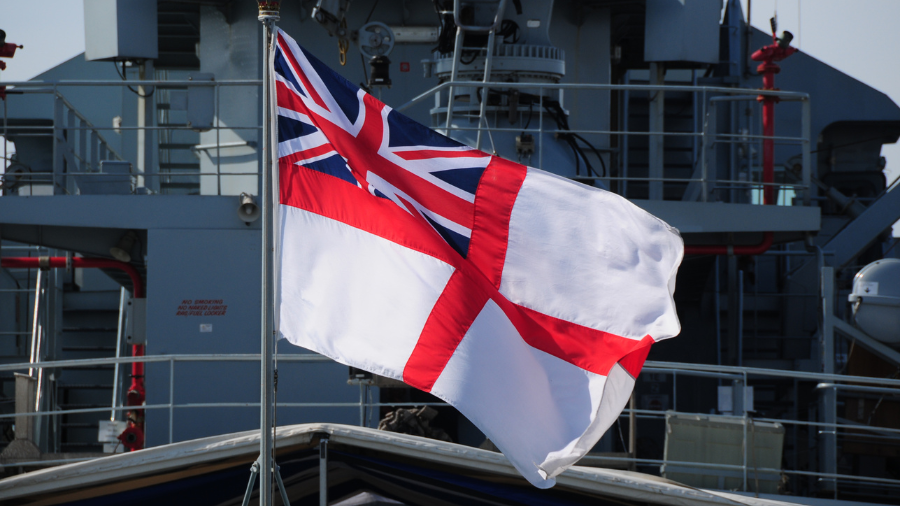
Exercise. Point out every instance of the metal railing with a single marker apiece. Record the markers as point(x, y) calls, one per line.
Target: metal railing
point(703, 180)
point(79, 146)
point(37, 333)
point(31, 333)
point(747, 471)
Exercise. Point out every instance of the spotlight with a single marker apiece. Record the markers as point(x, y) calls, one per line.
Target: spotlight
point(380, 73)
point(122, 250)
point(248, 211)
point(785, 40)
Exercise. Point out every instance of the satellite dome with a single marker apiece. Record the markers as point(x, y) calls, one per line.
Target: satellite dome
point(876, 300)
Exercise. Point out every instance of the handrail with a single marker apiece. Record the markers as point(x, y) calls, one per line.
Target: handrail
point(783, 95)
point(725, 371)
point(71, 152)
point(757, 371)
point(147, 359)
point(699, 187)
point(89, 125)
point(738, 374)
point(858, 388)
point(145, 82)
point(79, 146)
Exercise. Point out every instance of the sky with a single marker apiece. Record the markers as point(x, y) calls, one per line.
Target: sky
point(858, 37)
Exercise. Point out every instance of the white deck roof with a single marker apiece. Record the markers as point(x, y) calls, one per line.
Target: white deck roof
point(138, 468)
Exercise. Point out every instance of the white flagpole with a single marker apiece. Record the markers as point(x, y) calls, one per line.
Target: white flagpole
point(268, 15)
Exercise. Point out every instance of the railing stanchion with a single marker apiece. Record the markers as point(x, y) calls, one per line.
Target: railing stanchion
point(454, 70)
point(218, 148)
point(120, 329)
point(171, 399)
point(807, 155)
point(704, 145)
point(323, 471)
point(675, 390)
point(744, 417)
point(834, 445)
point(58, 149)
point(32, 356)
point(362, 406)
point(541, 128)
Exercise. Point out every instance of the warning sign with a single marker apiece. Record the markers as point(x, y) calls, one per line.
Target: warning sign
point(202, 307)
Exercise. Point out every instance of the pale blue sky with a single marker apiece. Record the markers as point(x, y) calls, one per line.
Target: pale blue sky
point(859, 37)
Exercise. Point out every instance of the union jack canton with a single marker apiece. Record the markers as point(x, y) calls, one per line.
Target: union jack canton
point(327, 124)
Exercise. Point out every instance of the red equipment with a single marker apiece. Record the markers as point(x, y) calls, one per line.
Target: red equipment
point(136, 392)
point(768, 55)
point(7, 50)
point(132, 438)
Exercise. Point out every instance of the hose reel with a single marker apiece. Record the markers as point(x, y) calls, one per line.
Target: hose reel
point(375, 39)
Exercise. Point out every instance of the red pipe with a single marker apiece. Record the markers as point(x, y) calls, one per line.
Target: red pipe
point(136, 392)
point(56, 262)
point(768, 55)
point(718, 249)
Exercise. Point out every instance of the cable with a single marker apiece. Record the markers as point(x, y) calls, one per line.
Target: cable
point(509, 28)
point(896, 241)
point(369, 17)
point(474, 55)
point(622, 437)
point(365, 86)
point(447, 33)
point(596, 152)
point(122, 75)
point(528, 122)
point(556, 112)
point(575, 152)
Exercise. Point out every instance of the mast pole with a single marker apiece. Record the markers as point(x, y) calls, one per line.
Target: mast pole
point(268, 15)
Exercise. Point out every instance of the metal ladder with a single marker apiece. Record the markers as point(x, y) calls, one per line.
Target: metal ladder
point(457, 54)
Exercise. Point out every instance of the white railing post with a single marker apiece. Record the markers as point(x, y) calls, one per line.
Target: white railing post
point(171, 399)
point(32, 356)
point(120, 330)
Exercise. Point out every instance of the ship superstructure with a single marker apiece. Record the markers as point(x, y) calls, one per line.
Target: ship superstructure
point(146, 153)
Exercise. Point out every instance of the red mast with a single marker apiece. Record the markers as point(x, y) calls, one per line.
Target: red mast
point(7, 50)
point(768, 55)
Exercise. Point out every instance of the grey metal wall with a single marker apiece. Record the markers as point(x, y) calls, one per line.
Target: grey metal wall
point(212, 271)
